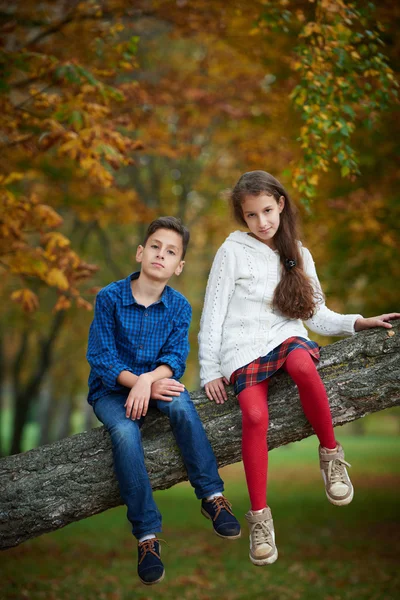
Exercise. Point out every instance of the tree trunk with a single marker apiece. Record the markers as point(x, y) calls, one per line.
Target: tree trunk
point(52, 486)
point(25, 394)
point(44, 409)
point(64, 415)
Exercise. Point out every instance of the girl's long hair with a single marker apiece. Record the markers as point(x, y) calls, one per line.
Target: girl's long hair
point(294, 295)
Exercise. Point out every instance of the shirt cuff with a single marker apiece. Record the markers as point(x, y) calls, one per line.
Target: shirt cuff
point(110, 375)
point(173, 363)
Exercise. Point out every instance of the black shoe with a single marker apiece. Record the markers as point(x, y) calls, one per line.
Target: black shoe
point(150, 568)
point(224, 521)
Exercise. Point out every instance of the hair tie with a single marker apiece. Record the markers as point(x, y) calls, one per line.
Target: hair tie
point(290, 263)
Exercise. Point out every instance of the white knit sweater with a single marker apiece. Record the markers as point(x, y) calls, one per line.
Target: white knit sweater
point(238, 323)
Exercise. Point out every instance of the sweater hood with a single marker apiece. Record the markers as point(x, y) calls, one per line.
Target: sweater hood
point(244, 239)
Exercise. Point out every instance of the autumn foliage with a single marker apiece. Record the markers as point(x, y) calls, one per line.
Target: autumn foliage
point(113, 112)
point(76, 110)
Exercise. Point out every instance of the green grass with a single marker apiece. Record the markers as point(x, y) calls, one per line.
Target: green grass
point(325, 552)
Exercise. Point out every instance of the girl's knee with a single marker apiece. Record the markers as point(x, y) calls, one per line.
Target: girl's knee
point(299, 363)
point(255, 417)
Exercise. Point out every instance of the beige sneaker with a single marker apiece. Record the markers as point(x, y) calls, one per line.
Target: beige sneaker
point(338, 487)
point(262, 537)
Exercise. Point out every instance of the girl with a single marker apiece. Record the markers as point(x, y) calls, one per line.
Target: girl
point(261, 287)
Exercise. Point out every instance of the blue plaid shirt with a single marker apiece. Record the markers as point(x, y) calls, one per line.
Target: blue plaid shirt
point(127, 336)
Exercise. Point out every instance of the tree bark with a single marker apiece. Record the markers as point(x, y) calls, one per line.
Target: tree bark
point(52, 486)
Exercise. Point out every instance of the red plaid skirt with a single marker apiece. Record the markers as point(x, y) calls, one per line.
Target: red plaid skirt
point(264, 367)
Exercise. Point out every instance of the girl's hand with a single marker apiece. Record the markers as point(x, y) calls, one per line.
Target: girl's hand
point(137, 402)
point(215, 390)
point(380, 321)
point(163, 389)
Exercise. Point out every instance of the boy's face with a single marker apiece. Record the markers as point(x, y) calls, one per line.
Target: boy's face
point(161, 257)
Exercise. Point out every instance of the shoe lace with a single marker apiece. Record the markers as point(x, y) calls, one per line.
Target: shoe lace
point(221, 503)
point(262, 533)
point(336, 470)
point(148, 546)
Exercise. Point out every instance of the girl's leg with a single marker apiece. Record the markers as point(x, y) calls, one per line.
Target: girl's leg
point(313, 397)
point(253, 403)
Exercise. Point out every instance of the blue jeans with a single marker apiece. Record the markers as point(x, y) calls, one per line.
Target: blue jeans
point(129, 465)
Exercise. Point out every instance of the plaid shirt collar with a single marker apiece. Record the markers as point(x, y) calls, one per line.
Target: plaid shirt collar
point(127, 296)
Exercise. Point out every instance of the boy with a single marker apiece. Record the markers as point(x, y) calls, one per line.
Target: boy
point(138, 345)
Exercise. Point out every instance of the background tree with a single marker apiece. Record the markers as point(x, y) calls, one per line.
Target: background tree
point(111, 114)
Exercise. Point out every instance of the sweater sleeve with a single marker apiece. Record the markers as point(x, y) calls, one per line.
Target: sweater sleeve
point(326, 321)
point(219, 291)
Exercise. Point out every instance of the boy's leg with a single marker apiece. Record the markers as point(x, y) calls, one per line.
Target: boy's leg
point(200, 463)
point(134, 483)
point(129, 465)
point(194, 445)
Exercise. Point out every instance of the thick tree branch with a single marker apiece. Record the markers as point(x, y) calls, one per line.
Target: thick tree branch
point(52, 486)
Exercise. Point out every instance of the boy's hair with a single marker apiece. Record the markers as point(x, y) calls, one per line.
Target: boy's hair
point(294, 295)
point(169, 223)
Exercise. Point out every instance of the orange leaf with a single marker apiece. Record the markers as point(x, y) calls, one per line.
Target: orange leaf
point(26, 298)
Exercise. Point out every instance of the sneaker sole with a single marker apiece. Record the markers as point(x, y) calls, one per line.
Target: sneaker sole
point(260, 562)
point(225, 537)
point(340, 502)
point(333, 500)
point(153, 582)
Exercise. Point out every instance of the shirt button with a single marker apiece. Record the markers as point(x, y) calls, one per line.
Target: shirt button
point(146, 314)
point(140, 346)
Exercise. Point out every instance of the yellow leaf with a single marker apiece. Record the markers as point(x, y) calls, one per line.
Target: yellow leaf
point(13, 177)
point(48, 215)
point(57, 278)
point(54, 240)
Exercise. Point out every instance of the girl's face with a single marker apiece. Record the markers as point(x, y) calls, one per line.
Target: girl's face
point(262, 216)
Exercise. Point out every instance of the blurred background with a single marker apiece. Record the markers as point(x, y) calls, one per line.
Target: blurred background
point(114, 113)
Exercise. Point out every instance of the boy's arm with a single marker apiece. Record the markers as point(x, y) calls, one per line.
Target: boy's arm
point(175, 351)
point(171, 363)
point(102, 353)
point(128, 379)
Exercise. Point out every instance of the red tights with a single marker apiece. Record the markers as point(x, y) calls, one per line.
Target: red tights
point(253, 403)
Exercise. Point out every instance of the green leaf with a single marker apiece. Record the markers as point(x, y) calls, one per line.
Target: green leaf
point(344, 171)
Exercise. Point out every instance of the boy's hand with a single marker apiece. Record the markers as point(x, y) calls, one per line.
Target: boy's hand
point(137, 402)
point(215, 390)
point(163, 389)
point(380, 321)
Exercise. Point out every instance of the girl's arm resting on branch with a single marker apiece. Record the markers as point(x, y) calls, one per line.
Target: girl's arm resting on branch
point(215, 390)
point(379, 321)
point(220, 288)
